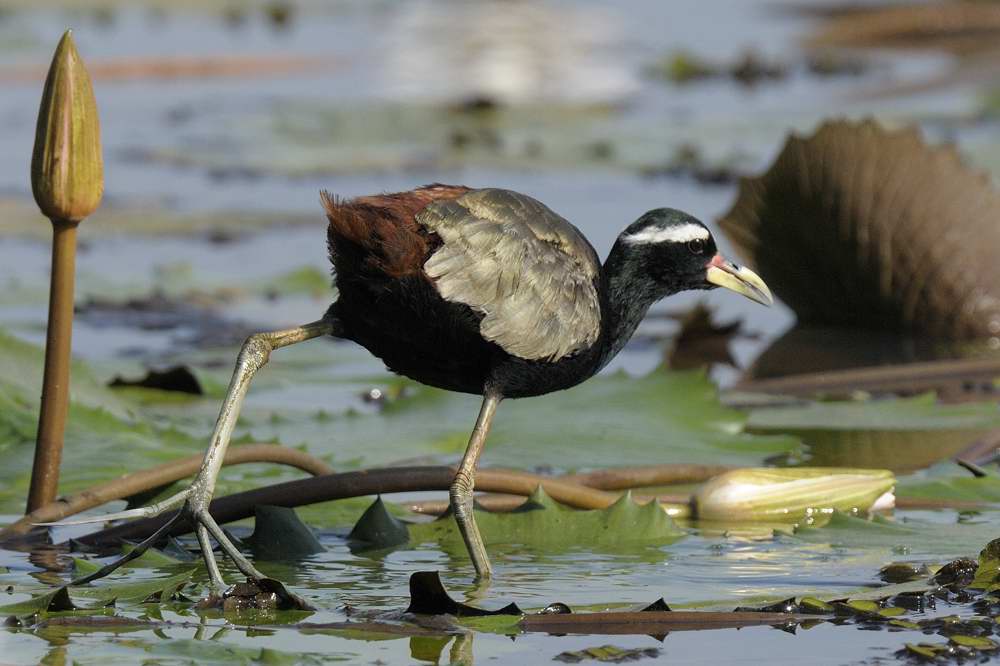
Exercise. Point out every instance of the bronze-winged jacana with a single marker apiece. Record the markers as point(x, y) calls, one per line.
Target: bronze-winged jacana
point(483, 291)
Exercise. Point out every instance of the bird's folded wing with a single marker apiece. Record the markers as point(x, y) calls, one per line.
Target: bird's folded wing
point(530, 273)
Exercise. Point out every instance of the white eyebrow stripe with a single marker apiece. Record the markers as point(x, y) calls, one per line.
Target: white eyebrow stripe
point(681, 234)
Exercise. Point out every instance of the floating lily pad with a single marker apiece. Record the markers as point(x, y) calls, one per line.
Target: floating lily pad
point(543, 522)
point(975, 642)
point(902, 434)
point(987, 574)
point(131, 592)
point(51, 602)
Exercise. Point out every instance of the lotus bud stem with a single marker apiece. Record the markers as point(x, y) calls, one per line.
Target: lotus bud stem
point(793, 494)
point(67, 178)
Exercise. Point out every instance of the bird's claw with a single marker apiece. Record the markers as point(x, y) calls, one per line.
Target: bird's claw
point(193, 503)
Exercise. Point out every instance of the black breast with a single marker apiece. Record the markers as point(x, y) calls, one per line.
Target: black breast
point(404, 322)
point(418, 334)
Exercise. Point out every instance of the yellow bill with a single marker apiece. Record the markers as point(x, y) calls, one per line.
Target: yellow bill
point(740, 279)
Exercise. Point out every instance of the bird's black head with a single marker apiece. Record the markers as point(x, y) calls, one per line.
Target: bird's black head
point(666, 251)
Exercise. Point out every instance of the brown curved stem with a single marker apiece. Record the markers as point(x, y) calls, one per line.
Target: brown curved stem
point(387, 481)
point(357, 484)
point(618, 478)
point(507, 502)
point(622, 478)
point(161, 475)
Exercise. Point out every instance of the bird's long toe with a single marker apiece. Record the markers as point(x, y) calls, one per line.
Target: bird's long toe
point(206, 522)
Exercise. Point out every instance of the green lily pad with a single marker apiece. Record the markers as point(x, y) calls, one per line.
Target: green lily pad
point(924, 650)
point(51, 602)
point(964, 488)
point(814, 605)
point(152, 558)
point(988, 572)
point(863, 606)
point(210, 651)
point(83, 567)
point(664, 417)
point(543, 522)
point(904, 624)
point(901, 434)
point(136, 591)
point(660, 418)
point(918, 413)
point(974, 642)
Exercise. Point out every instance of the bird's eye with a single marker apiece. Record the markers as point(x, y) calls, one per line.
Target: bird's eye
point(697, 246)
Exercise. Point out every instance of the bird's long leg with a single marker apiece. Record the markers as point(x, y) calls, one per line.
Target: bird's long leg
point(465, 483)
point(253, 356)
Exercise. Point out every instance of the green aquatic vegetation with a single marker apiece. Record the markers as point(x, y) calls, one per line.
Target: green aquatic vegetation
point(964, 488)
point(928, 538)
point(902, 434)
point(308, 280)
point(23, 220)
point(154, 558)
point(987, 576)
point(48, 602)
point(921, 412)
point(542, 522)
point(664, 417)
point(127, 593)
point(212, 652)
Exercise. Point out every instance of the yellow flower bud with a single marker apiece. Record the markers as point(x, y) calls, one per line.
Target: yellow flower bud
point(793, 493)
point(67, 171)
